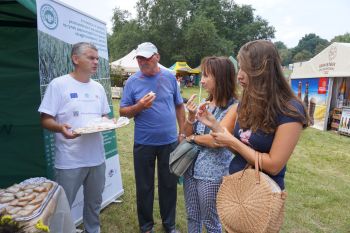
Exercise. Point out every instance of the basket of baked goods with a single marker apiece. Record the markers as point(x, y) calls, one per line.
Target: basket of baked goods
point(101, 124)
point(28, 202)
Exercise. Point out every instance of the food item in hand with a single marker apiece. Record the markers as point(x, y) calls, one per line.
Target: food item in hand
point(151, 93)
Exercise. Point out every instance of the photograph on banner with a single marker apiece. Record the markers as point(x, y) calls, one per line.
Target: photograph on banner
point(313, 92)
point(344, 125)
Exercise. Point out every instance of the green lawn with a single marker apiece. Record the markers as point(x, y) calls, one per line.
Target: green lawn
point(317, 181)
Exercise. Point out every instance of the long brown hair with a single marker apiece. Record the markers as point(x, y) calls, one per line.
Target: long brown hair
point(267, 94)
point(223, 72)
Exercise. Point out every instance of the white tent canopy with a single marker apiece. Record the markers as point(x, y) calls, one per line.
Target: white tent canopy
point(333, 61)
point(129, 63)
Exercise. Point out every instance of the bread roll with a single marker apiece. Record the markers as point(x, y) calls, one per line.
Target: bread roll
point(31, 207)
point(20, 194)
point(47, 185)
point(40, 189)
point(13, 210)
point(4, 200)
point(7, 195)
point(28, 197)
point(22, 203)
point(24, 213)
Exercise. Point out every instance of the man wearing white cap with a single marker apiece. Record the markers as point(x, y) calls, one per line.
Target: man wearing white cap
point(153, 98)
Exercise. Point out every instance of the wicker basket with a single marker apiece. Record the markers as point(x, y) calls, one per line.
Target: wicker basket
point(250, 201)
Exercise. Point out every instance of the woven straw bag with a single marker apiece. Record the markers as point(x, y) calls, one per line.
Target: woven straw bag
point(249, 201)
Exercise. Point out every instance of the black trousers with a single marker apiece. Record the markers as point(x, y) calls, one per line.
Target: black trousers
point(145, 157)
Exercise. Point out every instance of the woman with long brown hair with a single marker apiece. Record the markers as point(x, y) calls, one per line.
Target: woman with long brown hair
point(202, 180)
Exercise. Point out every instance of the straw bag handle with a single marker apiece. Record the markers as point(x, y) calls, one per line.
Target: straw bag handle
point(258, 166)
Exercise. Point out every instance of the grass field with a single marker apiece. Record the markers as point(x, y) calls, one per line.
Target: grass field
point(317, 181)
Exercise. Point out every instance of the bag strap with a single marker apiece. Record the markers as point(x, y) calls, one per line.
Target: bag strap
point(257, 176)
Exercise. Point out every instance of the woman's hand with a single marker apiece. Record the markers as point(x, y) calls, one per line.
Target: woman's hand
point(208, 119)
point(191, 106)
point(223, 139)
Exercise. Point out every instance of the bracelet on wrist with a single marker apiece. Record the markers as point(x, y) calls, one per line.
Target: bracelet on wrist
point(190, 122)
point(182, 135)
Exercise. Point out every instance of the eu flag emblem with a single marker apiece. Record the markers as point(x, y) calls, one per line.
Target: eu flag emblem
point(73, 95)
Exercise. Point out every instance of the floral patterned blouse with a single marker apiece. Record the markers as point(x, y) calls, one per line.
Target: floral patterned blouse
point(212, 163)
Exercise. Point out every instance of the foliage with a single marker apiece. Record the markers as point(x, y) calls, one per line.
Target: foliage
point(126, 34)
point(308, 47)
point(188, 29)
point(342, 38)
point(117, 77)
point(303, 55)
point(280, 45)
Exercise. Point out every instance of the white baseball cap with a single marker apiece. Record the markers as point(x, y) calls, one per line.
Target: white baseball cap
point(146, 50)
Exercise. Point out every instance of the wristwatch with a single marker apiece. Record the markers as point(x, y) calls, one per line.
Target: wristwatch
point(193, 136)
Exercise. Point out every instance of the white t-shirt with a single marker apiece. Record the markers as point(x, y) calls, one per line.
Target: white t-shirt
point(76, 104)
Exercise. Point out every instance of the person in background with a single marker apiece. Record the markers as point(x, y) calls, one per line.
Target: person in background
point(153, 98)
point(79, 160)
point(202, 180)
point(269, 118)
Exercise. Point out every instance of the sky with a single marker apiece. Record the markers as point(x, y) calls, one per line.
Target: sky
point(292, 19)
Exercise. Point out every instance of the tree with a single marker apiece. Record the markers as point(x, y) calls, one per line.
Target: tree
point(241, 26)
point(342, 38)
point(309, 43)
point(121, 42)
point(303, 55)
point(188, 29)
point(201, 39)
point(286, 56)
point(126, 34)
point(280, 45)
point(119, 18)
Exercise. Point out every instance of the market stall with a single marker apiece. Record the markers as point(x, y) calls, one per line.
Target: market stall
point(322, 83)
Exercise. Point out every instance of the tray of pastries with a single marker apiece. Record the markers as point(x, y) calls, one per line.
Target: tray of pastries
point(102, 124)
point(26, 200)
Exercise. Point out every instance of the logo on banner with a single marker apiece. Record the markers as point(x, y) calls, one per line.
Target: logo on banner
point(49, 16)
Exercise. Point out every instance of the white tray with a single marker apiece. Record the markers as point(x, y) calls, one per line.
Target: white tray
point(102, 126)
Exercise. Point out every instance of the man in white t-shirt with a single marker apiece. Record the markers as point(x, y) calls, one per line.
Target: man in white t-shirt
point(72, 101)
